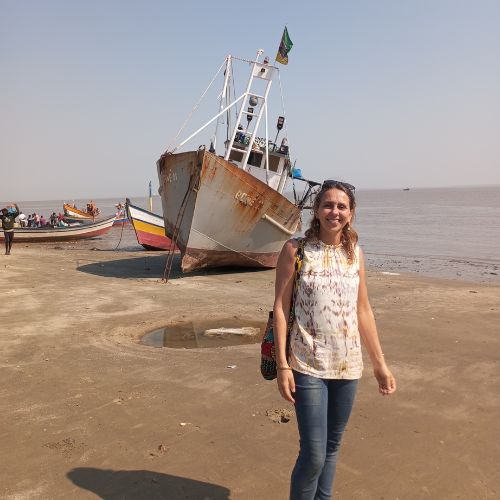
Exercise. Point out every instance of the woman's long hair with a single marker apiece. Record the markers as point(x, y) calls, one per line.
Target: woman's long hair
point(349, 235)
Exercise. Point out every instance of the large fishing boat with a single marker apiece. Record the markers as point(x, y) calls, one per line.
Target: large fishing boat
point(229, 209)
point(70, 233)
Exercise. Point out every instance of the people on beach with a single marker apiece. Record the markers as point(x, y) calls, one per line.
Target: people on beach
point(22, 220)
point(92, 209)
point(120, 210)
point(8, 217)
point(320, 363)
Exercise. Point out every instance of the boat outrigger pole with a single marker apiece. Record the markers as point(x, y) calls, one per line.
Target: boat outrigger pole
point(207, 124)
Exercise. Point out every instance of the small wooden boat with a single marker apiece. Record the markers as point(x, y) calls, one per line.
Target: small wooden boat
point(73, 220)
point(71, 233)
point(149, 228)
point(120, 218)
point(75, 213)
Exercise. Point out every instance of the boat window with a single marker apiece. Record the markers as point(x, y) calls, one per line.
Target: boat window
point(236, 156)
point(255, 159)
point(274, 163)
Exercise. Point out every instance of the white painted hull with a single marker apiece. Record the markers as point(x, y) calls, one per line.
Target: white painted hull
point(38, 234)
point(149, 228)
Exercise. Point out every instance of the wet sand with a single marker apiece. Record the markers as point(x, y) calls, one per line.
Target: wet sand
point(88, 412)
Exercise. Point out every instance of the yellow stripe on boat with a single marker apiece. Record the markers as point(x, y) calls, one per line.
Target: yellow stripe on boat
point(149, 228)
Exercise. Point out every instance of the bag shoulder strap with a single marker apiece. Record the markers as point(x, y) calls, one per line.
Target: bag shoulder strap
point(299, 256)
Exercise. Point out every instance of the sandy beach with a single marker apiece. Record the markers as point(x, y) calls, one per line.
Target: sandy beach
point(86, 411)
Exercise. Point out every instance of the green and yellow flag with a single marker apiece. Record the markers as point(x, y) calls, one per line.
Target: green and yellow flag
point(285, 47)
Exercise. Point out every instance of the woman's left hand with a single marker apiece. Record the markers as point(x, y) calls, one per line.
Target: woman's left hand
point(385, 379)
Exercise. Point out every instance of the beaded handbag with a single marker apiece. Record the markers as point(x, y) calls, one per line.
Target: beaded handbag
point(268, 366)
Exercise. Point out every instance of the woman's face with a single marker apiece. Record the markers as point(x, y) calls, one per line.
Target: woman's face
point(334, 211)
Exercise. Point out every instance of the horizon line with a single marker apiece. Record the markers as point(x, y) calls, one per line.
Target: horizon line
point(459, 186)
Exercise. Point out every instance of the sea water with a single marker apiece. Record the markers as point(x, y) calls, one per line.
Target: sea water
point(453, 232)
point(441, 232)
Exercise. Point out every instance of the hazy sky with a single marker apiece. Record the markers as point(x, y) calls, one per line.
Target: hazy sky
point(383, 94)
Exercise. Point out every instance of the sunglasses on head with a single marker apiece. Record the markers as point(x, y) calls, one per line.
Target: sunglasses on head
point(332, 183)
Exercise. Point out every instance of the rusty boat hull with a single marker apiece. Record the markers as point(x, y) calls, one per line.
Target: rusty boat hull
point(220, 215)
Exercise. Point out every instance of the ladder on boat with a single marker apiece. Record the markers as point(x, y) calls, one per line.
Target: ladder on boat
point(260, 72)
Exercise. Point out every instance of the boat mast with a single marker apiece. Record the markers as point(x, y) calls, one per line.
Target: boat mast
point(267, 146)
point(282, 124)
point(227, 75)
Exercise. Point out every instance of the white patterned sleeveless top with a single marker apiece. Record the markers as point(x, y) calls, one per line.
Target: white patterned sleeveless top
point(324, 340)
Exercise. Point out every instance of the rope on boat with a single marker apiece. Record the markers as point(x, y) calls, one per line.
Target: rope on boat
point(192, 186)
point(286, 135)
point(175, 234)
point(250, 61)
point(194, 109)
point(120, 240)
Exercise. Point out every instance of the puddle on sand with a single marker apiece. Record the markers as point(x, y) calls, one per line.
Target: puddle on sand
point(206, 334)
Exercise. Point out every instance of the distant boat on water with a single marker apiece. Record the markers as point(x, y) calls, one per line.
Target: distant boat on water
point(71, 212)
point(71, 233)
point(406, 189)
point(149, 228)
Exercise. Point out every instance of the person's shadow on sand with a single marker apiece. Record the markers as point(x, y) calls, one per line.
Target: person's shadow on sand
point(144, 484)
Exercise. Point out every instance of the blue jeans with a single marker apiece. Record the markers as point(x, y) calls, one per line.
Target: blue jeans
point(323, 407)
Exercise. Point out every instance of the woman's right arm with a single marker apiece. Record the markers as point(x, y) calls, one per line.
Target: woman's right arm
point(283, 296)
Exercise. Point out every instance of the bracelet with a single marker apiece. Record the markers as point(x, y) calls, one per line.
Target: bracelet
point(284, 368)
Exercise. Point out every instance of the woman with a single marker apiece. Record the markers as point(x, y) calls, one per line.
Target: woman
point(320, 370)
